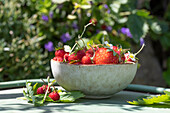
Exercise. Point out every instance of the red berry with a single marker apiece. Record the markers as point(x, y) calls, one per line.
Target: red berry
point(123, 59)
point(40, 90)
point(54, 96)
point(118, 52)
point(45, 88)
point(90, 52)
point(72, 57)
point(115, 48)
point(60, 53)
point(58, 58)
point(80, 54)
point(66, 56)
point(102, 56)
point(86, 60)
point(93, 21)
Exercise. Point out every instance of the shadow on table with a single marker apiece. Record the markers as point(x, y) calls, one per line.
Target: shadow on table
point(10, 96)
point(118, 101)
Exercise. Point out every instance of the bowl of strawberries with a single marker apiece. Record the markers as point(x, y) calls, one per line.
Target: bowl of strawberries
point(98, 71)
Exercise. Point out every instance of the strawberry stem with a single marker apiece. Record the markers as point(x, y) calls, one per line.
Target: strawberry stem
point(43, 81)
point(140, 50)
point(54, 89)
point(85, 29)
point(48, 79)
point(73, 47)
point(93, 51)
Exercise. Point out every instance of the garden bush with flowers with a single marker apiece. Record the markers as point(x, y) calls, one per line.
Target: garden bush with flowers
point(31, 30)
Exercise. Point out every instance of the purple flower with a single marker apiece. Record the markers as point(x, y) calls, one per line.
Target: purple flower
point(126, 32)
point(75, 26)
point(51, 14)
point(108, 11)
point(49, 46)
point(45, 18)
point(106, 6)
point(109, 28)
point(65, 37)
point(142, 41)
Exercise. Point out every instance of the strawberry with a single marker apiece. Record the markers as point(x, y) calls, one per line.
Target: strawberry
point(80, 54)
point(102, 56)
point(66, 56)
point(54, 96)
point(86, 60)
point(40, 90)
point(123, 59)
point(93, 21)
point(115, 48)
point(118, 52)
point(45, 88)
point(60, 53)
point(89, 52)
point(72, 57)
point(58, 58)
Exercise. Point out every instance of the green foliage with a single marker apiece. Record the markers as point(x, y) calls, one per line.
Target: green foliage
point(137, 26)
point(153, 100)
point(24, 31)
point(37, 100)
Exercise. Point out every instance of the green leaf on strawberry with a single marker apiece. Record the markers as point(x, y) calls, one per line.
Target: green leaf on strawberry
point(114, 53)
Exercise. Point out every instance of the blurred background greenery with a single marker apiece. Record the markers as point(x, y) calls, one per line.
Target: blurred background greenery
point(31, 29)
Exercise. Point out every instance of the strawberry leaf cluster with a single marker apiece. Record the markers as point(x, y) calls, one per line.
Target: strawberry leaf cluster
point(50, 95)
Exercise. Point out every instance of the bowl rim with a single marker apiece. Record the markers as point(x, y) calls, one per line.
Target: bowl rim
point(86, 65)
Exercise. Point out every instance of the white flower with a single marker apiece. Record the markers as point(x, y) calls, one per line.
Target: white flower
point(109, 45)
point(131, 56)
point(67, 48)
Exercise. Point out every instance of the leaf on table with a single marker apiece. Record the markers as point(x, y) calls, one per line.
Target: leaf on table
point(70, 96)
point(151, 100)
point(37, 101)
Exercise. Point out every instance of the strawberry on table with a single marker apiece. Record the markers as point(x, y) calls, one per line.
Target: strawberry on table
point(54, 96)
point(45, 88)
point(40, 90)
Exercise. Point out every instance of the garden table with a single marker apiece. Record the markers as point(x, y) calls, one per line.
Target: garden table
point(10, 91)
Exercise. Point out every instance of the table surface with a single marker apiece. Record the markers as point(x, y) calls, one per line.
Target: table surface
point(117, 104)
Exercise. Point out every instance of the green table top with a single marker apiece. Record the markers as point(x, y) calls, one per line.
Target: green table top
point(117, 104)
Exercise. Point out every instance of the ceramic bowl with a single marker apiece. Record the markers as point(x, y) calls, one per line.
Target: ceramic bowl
point(95, 81)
